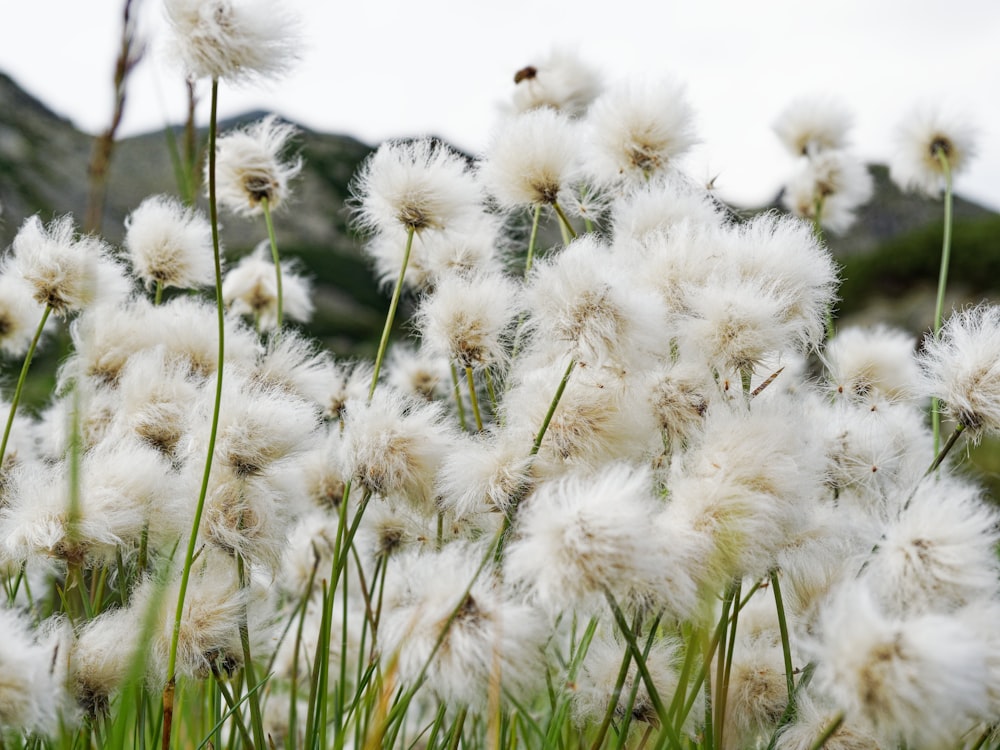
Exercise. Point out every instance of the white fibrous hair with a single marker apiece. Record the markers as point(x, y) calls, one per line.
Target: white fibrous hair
point(394, 446)
point(533, 158)
point(830, 187)
point(30, 692)
point(584, 536)
point(170, 244)
point(925, 140)
point(468, 320)
point(962, 368)
point(493, 639)
point(415, 186)
point(638, 130)
point(20, 314)
point(250, 168)
point(870, 364)
point(560, 81)
point(809, 126)
point(250, 288)
point(66, 273)
point(485, 473)
point(652, 211)
point(234, 40)
point(920, 680)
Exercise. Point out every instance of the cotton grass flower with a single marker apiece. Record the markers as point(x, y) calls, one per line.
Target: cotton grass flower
point(559, 81)
point(414, 186)
point(870, 364)
point(583, 535)
point(250, 288)
point(492, 640)
point(809, 126)
point(236, 40)
point(962, 368)
point(66, 272)
point(922, 681)
point(19, 315)
point(169, 244)
point(30, 693)
point(638, 130)
point(829, 187)
point(468, 320)
point(250, 168)
point(533, 158)
point(927, 140)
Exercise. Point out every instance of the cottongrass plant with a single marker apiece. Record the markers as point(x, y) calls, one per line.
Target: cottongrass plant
point(642, 520)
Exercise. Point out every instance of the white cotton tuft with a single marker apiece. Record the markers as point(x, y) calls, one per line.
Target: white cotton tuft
point(250, 168)
point(812, 125)
point(170, 244)
point(927, 136)
point(559, 81)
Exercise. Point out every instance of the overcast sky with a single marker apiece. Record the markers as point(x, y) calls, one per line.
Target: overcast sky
point(382, 68)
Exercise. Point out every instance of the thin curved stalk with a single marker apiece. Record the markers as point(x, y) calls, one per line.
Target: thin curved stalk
point(396, 294)
point(474, 399)
point(942, 158)
point(168, 690)
point(265, 204)
point(534, 237)
point(21, 380)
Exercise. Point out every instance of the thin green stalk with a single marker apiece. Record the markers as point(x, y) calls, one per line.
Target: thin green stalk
point(786, 648)
point(168, 690)
point(534, 237)
point(942, 158)
point(233, 711)
point(552, 408)
point(456, 730)
point(640, 663)
point(723, 687)
point(473, 398)
point(946, 449)
point(491, 391)
point(616, 693)
point(396, 294)
point(266, 206)
point(459, 404)
point(256, 718)
point(158, 294)
point(21, 380)
point(828, 732)
point(564, 221)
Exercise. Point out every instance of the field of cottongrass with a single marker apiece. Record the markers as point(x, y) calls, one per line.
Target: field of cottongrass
point(633, 490)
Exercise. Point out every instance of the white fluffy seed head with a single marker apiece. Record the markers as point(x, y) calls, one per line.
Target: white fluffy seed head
point(833, 185)
point(484, 473)
point(559, 81)
point(468, 320)
point(251, 169)
point(533, 158)
point(811, 125)
point(871, 364)
point(962, 368)
point(169, 244)
point(587, 533)
point(20, 314)
point(30, 692)
point(414, 186)
point(251, 288)
point(940, 553)
point(927, 135)
point(492, 638)
point(649, 213)
point(236, 40)
point(922, 680)
point(639, 129)
point(66, 272)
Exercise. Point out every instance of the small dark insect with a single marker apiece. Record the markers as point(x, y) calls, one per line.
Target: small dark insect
point(525, 74)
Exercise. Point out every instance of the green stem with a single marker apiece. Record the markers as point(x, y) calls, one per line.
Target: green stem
point(459, 404)
point(952, 439)
point(256, 718)
point(265, 204)
point(830, 730)
point(563, 220)
point(640, 663)
point(396, 293)
point(786, 649)
point(552, 408)
point(21, 380)
point(942, 158)
point(473, 398)
point(158, 294)
point(168, 690)
point(531, 242)
point(723, 687)
point(609, 713)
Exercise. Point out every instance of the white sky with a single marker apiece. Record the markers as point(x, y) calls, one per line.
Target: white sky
point(383, 68)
